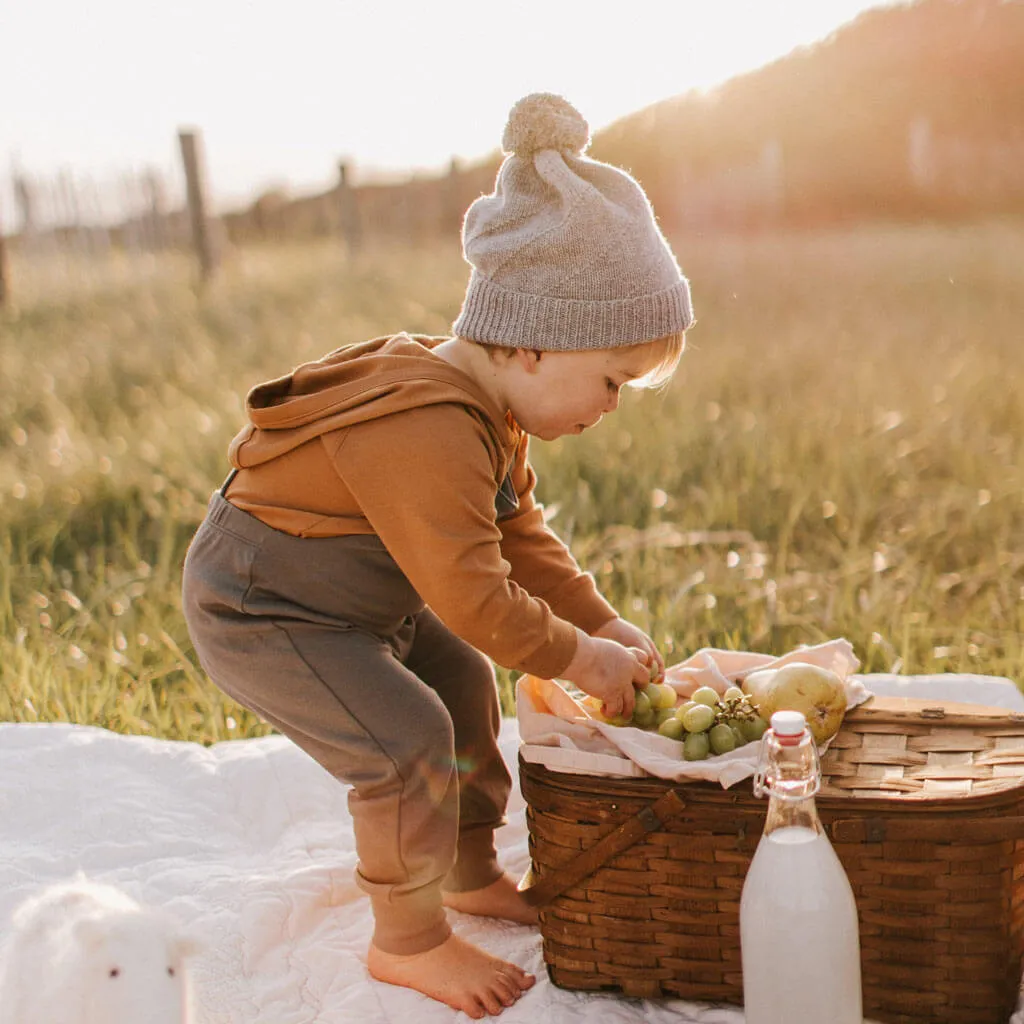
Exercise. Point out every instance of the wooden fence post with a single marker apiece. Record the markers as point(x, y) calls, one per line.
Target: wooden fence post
point(5, 271)
point(155, 214)
point(25, 197)
point(195, 180)
point(348, 211)
point(453, 203)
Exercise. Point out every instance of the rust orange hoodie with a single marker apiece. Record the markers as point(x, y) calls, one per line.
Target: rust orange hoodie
point(387, 438)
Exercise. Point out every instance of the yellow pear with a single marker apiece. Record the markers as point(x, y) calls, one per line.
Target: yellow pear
point(815, 691)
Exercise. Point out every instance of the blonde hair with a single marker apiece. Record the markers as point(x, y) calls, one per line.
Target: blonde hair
point(668, 351)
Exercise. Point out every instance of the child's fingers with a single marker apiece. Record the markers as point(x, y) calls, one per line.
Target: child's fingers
point(659, 665)
point(611, 707)
point(641, 670)
point(654, 662)
point(618, 707)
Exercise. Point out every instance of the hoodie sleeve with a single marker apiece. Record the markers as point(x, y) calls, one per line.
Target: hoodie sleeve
point(424, 480)
point(541, 562)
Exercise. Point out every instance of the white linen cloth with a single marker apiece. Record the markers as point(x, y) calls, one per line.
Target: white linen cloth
point(561, 734)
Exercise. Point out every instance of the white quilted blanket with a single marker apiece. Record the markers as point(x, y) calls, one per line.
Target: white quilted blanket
point(249, 843)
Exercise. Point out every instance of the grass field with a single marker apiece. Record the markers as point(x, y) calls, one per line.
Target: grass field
point(840, 454)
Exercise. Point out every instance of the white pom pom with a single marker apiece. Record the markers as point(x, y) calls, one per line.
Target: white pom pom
point(543, 120)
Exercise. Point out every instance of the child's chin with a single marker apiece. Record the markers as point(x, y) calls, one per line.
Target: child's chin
point(554, 433)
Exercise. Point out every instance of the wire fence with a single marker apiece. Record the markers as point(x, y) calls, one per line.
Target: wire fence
point(66, 231)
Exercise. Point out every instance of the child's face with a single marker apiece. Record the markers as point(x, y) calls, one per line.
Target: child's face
point(559, 393)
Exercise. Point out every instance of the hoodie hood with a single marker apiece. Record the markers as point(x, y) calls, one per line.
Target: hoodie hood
point(354, 385)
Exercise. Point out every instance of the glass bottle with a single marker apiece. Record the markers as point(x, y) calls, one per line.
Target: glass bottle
point(799, 937)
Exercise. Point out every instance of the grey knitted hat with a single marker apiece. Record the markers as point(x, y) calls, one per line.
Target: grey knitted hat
point(566, 253)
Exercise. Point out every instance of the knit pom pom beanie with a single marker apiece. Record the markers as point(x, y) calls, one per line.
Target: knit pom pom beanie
point(565, 253)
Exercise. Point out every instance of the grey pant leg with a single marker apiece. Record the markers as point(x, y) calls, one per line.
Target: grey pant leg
point(351, 705)
point(342, 695)
point(464, 680)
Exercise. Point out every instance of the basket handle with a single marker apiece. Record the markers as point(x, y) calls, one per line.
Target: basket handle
point(648, 819)
point(879, 830)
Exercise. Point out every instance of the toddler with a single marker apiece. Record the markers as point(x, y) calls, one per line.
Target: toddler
point(377, 545)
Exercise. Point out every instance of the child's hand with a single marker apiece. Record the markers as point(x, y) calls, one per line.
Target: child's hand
point(609, 671)
point(629, 635)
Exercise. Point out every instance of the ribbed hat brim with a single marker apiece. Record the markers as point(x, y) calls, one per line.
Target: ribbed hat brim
point(497, 316)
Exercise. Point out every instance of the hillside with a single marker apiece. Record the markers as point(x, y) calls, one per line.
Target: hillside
point(906, 110)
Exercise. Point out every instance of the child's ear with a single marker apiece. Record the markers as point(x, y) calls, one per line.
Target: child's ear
point(528, 359)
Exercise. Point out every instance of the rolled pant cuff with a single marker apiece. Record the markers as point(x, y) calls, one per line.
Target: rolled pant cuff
point(408, 926)
point(476, 865)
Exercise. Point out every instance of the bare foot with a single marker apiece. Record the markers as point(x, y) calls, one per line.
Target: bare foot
point(456, 973)
point(499, 899)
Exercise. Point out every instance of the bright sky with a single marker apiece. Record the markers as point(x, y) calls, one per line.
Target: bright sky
point(283, 90)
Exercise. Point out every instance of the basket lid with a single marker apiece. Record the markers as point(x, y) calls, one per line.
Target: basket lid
point(909, 747)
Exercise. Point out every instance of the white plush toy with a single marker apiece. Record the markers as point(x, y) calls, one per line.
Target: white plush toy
point(84, 953)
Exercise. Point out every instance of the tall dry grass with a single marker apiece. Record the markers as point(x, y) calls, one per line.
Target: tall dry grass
point(840, 454)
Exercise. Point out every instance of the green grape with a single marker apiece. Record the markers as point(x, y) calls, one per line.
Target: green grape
point(661, 695)
point(641, 703)
point(663, 715)
point(741, 740)
point(698, 718)
point(696, 746)
point(705, 695)
point(753, 728)
point(721, 739)
point(644, 719)
point(672, 728)
point(684, 707)
point(732, 693)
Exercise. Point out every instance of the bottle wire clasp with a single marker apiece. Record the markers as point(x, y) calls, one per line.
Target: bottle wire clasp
point(767, 781)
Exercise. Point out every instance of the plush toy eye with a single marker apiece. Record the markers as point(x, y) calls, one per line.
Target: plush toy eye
point(115, 971)
point(170, 972)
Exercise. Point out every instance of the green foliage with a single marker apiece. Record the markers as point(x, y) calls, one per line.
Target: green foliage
point(840, 454)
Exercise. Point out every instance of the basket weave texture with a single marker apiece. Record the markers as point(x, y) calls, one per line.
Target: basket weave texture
point(638, 880)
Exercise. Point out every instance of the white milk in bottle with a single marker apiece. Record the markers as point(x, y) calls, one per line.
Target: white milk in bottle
point(799, 938)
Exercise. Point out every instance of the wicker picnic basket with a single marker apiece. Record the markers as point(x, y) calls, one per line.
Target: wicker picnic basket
point(638, 880)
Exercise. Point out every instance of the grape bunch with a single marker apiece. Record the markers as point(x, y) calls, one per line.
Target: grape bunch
point(707, 723)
